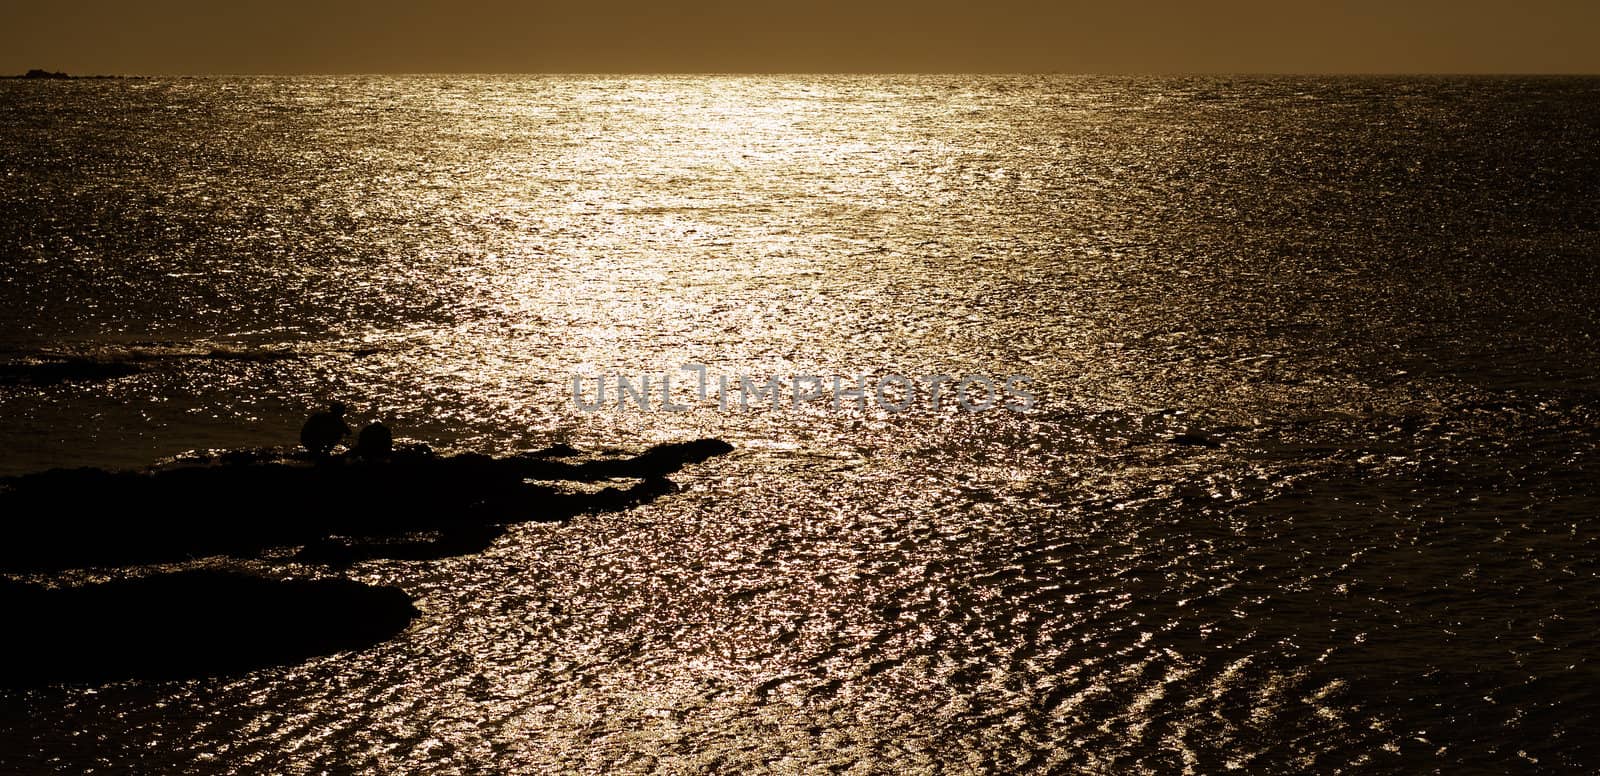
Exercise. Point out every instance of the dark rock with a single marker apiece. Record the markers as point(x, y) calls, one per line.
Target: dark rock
point(1194, 440)
point(248, 504)
point(658, 461)
point(324, 430)
point(374, 442)
point(189, 624)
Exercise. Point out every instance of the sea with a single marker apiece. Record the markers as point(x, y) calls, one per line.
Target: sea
point(1308, 480)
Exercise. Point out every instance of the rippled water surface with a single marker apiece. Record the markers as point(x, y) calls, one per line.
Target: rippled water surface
point(1311, 484)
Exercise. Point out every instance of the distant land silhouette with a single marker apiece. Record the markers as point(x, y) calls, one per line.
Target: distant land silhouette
point(50, 75)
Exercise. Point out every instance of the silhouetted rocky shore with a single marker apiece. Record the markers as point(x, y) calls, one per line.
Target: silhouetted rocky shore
point(193, 623)
point(410, 504)
point(247, 503)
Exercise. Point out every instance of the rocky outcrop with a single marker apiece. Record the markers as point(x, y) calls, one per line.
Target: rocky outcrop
point(246, 504)
point(188, 624)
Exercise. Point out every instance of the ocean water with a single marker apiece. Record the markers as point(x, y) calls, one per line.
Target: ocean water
point(1310, 484)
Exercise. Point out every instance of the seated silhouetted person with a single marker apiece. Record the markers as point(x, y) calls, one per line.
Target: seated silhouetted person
point(323, 430)
point(374, 442)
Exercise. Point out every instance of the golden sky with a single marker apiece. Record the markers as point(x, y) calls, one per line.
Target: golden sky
point(633, 36)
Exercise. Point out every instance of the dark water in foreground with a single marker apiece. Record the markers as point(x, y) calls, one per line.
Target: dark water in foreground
point(1371, 301)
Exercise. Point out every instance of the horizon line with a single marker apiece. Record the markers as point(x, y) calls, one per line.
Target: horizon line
point(777, 73)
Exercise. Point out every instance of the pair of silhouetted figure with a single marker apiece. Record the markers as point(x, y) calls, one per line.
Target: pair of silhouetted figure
point(324, 430)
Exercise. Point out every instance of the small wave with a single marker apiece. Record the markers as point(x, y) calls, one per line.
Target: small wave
point(52, 372)
point(63, 365)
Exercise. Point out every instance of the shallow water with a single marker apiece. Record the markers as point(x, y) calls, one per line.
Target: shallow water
point(1369, 301)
